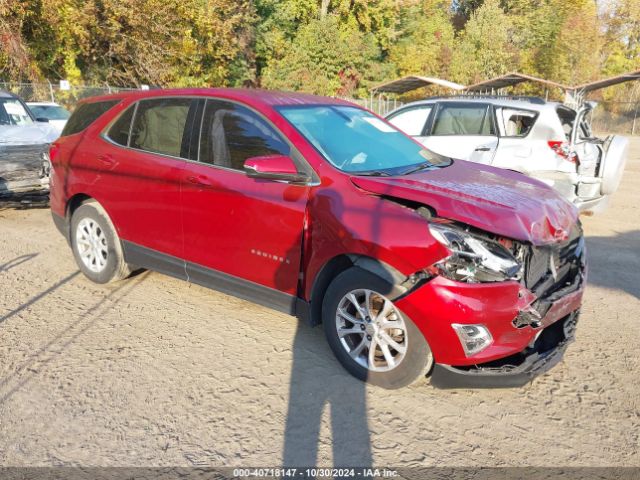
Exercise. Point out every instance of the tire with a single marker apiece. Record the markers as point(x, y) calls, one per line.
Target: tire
point(411, 364)
point(96, 246)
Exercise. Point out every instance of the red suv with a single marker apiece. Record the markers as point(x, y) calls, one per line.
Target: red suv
point(414, 263)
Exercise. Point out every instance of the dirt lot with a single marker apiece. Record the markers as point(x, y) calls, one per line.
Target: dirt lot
point(154, 371)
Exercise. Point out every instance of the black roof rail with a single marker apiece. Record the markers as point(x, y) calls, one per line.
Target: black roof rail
point(462, 96)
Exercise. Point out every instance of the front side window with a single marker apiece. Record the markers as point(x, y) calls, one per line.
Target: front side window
point(85, 115)
point(412, 120)
point(159, 126)
point(354, 140)
point(459, 119)
point(12, 112)
point(232, 133)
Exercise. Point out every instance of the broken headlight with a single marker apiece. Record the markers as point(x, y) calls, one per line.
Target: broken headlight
point(473, 258)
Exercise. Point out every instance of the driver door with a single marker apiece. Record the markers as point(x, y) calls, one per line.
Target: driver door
point(242, 234)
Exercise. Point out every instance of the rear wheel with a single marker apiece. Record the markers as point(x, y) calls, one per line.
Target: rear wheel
point(96, 246)
point(369, 335)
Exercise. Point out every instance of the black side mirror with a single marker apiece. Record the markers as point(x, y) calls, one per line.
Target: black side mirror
point(42, 120)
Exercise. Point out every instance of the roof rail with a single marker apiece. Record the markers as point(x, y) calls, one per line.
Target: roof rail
point(522, 98)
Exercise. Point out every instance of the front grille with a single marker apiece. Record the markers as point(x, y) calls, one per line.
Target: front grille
point(21, 168)
point(552, 268)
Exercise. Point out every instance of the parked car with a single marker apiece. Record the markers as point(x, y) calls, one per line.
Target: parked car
point(545, 140)
point(56, 114)
point(414, 263)
point(24, 145)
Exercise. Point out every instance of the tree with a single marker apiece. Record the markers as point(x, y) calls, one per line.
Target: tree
point(485, 48)
point(325, 58)
point(425, 41)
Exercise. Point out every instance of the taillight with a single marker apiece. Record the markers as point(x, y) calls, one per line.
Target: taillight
point(54, 148)
point(563, 150)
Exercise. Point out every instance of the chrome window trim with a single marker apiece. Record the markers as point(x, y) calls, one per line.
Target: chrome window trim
point(294, 153)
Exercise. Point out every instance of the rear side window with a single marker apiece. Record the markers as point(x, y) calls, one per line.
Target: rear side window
point(119, 131)
point(517, 123)
point(159, 126)
point(232, 133)
point(412, 120)
point(85, 115)
point(463, 120)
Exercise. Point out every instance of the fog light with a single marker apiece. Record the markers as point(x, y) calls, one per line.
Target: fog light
point(474, 338)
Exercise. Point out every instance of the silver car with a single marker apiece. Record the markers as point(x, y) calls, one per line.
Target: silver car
point(545, 140)
point(24, 146)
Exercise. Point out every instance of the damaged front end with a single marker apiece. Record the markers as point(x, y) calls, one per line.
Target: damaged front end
point(504, 309)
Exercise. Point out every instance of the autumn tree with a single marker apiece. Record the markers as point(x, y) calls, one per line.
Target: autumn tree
point(325, 58)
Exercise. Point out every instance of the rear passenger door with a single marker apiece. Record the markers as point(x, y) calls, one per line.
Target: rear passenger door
point(462, 130)
point(141, 168)
point(516, 148)
point(242, 234)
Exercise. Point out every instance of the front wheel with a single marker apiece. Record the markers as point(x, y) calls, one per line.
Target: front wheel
point(370, 336)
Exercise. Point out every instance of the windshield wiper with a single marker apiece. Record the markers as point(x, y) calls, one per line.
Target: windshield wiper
point(417, 168)
point(373, 173)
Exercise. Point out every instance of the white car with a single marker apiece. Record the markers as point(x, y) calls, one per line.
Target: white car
point(56, 114)
point(545, 140)
point(24, 146)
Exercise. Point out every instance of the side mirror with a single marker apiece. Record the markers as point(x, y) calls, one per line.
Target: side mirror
point(42, 120)
point(275, 167)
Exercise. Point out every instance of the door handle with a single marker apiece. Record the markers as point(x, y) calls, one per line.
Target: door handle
point(106, 159)
point(483, 149)
point(200, 181)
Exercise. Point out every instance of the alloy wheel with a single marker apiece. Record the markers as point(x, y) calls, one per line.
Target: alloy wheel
point(371, 330)
point(92, 245)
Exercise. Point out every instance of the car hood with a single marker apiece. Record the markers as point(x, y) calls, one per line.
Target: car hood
point(492, 199)
point(27, 134)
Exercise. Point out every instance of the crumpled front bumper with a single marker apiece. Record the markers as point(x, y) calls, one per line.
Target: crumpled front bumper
point(514, 371)
point(521, 349)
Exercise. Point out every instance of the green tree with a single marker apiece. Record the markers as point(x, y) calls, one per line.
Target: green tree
point(325, 58)
point(425, 40)
point(485, 47)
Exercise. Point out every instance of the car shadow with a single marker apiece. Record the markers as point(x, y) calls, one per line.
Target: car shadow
point(614, 262)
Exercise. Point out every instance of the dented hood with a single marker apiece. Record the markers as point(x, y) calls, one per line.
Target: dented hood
point(27, 134)
point(492, 199)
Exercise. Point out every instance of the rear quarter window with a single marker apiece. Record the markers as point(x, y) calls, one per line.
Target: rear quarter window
point(85, 115)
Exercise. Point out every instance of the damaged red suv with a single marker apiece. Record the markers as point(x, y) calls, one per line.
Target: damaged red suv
point(415, 264)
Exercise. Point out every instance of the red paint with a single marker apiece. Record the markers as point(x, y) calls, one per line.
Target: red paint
point(257, 229)
point(272, 164)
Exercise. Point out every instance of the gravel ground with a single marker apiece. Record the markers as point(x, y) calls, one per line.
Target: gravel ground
point(154, 371)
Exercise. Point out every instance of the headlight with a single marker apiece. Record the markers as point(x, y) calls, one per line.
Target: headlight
point(473, 259)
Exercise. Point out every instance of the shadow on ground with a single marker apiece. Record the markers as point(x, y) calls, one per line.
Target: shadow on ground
point(614, 262)
point(318, 382)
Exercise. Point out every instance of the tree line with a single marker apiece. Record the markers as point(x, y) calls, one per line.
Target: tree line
point(329, 47)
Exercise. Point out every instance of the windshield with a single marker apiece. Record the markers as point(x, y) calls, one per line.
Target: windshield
point(357, 141)
point(12, 112)
point(51, 112)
